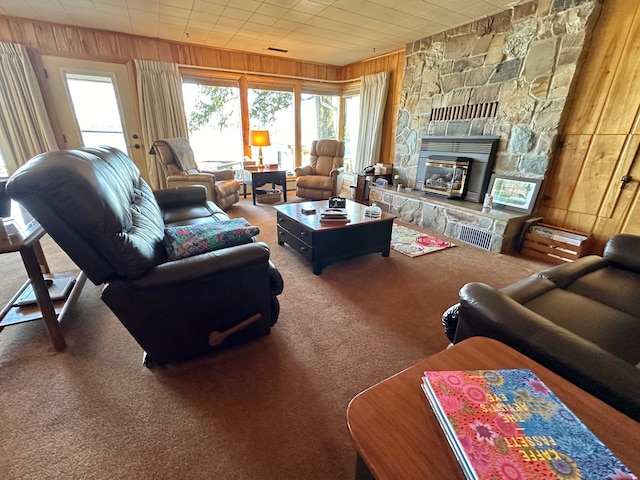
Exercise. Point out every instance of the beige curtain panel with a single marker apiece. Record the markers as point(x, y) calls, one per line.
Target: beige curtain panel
point(161, 109)
point(373, 98)
point(25, 129)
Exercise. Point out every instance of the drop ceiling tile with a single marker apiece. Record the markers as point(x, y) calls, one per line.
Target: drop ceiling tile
point(248, 5)
point(143, 5)
point(237, 13)
point(208, 7)
point(309, 7)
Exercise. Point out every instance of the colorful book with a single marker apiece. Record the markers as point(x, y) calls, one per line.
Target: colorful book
point(507, 424)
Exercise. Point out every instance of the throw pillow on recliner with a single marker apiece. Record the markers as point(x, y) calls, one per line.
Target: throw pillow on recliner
point(188, 240)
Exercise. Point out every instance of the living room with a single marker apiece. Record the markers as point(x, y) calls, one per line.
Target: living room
point(337, 334)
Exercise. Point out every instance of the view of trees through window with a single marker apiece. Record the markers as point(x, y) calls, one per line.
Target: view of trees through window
point(272, 110)
point(215, 125)
point(215, 129)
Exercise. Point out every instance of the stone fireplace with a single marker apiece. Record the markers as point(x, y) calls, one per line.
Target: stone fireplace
point(507, 76)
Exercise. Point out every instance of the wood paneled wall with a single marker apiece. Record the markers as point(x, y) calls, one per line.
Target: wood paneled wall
point(600, 138)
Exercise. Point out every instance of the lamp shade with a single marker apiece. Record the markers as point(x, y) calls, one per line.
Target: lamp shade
point(260, 138)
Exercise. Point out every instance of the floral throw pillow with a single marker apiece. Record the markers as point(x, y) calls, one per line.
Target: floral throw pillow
point(188, 240)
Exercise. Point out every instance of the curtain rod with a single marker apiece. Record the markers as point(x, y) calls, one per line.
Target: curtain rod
point(279, 75)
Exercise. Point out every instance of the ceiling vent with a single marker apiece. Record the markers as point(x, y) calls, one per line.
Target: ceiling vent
point(281, 50)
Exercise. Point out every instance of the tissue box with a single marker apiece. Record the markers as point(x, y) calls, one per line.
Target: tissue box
point(384, 168)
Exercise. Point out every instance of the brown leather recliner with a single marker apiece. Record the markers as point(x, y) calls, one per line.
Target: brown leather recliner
point(176, 161)
point(322, 179)
point(98, 209)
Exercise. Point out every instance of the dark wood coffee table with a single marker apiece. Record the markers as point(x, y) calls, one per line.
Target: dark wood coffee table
point(397, 434)
point(324, 243)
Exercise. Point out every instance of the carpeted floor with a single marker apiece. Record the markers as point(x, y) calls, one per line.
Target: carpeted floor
point(270, 409)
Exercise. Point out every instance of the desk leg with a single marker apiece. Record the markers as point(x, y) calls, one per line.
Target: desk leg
point(32, 265)
point(284, 187)
point(253, 192)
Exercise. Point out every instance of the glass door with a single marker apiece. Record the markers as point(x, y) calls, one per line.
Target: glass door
point(94, 105)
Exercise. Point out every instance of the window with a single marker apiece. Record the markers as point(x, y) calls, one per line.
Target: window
point(320, 116)
point(272, 110)
point(3, 167)
point(351, 125)
point(215, 129)
point(95, 105)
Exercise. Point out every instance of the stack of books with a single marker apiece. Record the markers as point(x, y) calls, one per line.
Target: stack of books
point(509, 424)
point(334, 215)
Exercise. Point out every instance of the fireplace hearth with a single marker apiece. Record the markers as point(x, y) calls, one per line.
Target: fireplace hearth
point(441, 166)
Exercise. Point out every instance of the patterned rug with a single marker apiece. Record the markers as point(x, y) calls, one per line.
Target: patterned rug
point(412, 243)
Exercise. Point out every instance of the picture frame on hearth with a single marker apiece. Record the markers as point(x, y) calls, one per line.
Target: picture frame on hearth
point(514, 193)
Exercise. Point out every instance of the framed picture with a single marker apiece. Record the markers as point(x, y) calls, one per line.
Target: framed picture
point(514, 193)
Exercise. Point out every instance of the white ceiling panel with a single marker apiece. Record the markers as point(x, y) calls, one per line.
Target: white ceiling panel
point(336, 32)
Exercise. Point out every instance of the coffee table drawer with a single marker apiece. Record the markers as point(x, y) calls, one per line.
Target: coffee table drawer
point(301, 232)
point(284, 236)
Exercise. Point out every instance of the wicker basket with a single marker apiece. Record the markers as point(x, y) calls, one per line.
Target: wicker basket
point(268, 196)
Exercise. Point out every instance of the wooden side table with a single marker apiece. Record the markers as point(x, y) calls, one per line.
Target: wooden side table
point(27, 241)
point(398, 436)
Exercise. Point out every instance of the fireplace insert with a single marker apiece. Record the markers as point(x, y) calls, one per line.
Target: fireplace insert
point(446, 175)
point(478, 152)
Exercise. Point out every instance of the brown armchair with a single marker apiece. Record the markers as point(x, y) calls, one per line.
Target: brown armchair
point(322, 179)
point(176, 161)
point(97, 208)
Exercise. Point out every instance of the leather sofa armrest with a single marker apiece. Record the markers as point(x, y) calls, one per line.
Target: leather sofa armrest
point(485, 311)
point(622, 249)
point(195, 268)
point(304, 170)
point(181, 196)
point(565, 274)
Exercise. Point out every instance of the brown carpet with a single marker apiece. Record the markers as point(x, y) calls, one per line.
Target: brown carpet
point(270, 409)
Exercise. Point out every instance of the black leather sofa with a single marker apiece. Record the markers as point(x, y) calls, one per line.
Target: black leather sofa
point(98, 209)
point(580, 319)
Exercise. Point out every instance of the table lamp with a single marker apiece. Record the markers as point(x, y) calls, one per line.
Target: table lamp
point(260, 138)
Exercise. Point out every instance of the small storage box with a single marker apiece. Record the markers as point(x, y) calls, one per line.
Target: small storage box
point(554, 244)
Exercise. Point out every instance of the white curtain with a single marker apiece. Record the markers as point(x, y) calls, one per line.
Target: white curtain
point(161, 109)
point(373, 98)
point(25, 130)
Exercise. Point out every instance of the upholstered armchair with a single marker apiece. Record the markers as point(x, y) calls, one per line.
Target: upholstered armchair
point(178, 300)
point(176, 161)
point(322, 178)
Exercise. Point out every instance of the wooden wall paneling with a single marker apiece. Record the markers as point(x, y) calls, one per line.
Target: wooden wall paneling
point(622, 102)
point(552, 216)
point(593, 182)
point(565, 170)
point(615, 195)
point(596, 74)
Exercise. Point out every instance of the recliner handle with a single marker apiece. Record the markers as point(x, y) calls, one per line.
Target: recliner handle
point(216, 338)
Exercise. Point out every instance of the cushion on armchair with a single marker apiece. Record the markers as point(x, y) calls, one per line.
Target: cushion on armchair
point(187, 240)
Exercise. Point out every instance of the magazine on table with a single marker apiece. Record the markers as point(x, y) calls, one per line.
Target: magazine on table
point(509, 424)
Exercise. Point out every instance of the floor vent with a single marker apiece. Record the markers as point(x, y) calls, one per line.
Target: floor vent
point(475, 236)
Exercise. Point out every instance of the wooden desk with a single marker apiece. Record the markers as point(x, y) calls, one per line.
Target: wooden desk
point(27, 241)
point(398, 436)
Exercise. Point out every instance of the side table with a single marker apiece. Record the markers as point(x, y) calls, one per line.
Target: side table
point(27, 241)
point(397, 434)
